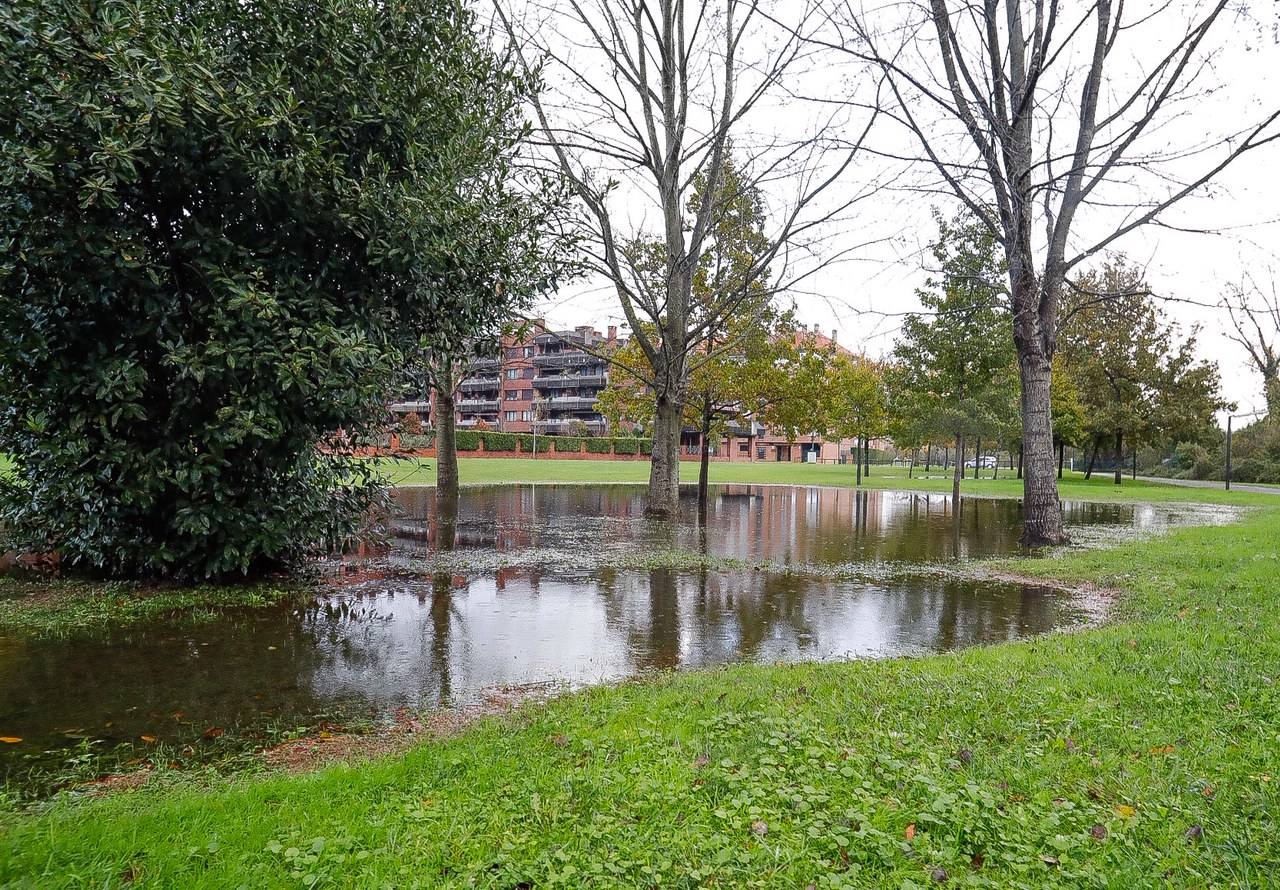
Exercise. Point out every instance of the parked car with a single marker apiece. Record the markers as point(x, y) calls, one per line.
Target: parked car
point(986, 462)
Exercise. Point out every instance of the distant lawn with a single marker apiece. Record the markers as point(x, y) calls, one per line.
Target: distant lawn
point(486, 471)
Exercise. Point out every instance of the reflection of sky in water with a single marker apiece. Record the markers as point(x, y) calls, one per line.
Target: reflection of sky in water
point(562, 614)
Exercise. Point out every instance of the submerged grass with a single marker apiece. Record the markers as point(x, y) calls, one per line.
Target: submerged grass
point(1143, 753)
point(60, 606)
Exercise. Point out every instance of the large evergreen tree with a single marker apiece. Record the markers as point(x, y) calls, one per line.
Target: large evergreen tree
point(214, 214)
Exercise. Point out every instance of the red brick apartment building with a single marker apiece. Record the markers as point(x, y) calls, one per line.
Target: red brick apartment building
point(548, 381)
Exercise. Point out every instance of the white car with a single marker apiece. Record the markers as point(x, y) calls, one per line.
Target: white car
point(986, 462)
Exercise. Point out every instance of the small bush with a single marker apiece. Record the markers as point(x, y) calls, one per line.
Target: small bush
point(599, 446)
point(626, 446)
point(1255, 469)
point(646, 446)
point(416, 443)
point(499, 441)
point(525, 441)
point(467, 440)
point(567, 444)
point(411, 424)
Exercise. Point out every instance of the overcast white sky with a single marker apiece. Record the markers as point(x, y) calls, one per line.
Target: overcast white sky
point(854, 295)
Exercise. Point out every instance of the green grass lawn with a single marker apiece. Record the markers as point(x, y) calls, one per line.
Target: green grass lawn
point(485, 471)
point(1145, 753)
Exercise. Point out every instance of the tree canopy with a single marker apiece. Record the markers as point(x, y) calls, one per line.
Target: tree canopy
point(214, 215)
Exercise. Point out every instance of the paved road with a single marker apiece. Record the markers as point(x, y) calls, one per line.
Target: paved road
point(1209, 483)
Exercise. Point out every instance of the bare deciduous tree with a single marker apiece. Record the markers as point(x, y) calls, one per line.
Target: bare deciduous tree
point(652, 98)
point(1063, 128)
point(1255, 325)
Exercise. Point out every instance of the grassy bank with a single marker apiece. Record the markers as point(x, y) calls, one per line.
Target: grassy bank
point(489, 471)
point(1145, 753)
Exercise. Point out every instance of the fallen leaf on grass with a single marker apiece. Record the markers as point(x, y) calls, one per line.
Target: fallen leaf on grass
point(1162, 749)
point(1194, 833)
point(1124, 811)
point(759, 828)
point(10, 739)
point(213, 732)
point(910, 833)
point(1098, 832)
point(149, 739)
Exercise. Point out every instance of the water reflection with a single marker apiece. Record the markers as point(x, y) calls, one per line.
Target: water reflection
point(387, 640)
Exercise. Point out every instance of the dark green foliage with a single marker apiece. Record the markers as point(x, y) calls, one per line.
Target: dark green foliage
point(468, 440)
point(646, 446)
point(498, 441)
point(597, 445)
point(526, 442)
point(566, 444)
point(211, 215)
point(417, 443)
point(626, 446)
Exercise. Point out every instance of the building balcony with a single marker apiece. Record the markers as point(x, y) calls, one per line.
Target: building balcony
point(480, 384)
point(410, 407)
point(568, 380)
point(566, 425)
point(570, 403)
point(474, 405)
point(568, 359)
point(481, 364)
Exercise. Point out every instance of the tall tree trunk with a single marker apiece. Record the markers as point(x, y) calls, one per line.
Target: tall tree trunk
point(857, 458)
point(959, 471)
point(1020, 462)
point(1041, 509)
point(1062, 454)
point(928, 458)
point(911, 466)
point(1093, 456)
point(1119, 456)
point(446, 445)
point(664, 463)
point(977, 456)
point(995, 472)
point(866, 456)
point(705, 465)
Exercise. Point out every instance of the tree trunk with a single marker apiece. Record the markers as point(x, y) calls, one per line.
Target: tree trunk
point(1041, 509)
point(446, 446)
point(705, 465)
point(1020, 463)
point(977, 456)
point(664, 463)
point(995, 472)
point(928, 458)
point(1097, 446)
point(959, 471)
point(1119, 456)
point(857, 459)
point(1062, 454)
point(1135, 464)
point(866, 456)
point(912, 465)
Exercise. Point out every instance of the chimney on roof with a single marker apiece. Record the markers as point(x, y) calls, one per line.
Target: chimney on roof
point(815, 327)
point(833, 335)
point(613, 333)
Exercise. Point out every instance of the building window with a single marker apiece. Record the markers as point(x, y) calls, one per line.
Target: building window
point(529, 373)
point(526, 415)
point(760, 452)
point(528, 351)
point(528, 394)
point(513, 373)
point(512, 395)
point(511, 415)
point(744, 447)
point(513, 352)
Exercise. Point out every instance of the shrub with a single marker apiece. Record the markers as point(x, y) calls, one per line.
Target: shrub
point(526, 442)
point(199, 281)
point(411, 424)
point(499, 441)
point(596, 445)
point(416, 443)
point(626, 446)
point(646, 446)
point(1255, 469)
point(567, 444)
point(467, 440)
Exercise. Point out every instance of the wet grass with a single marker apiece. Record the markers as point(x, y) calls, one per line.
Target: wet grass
point(1143, 753)
point(493, 471)
point(62, 606)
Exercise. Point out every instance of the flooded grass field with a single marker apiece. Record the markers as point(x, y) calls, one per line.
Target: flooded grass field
point(534, 585)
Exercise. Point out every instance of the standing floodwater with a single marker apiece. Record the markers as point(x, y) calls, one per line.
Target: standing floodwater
point(550, 583)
